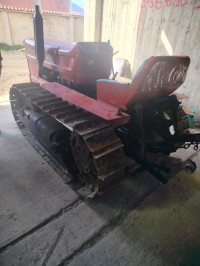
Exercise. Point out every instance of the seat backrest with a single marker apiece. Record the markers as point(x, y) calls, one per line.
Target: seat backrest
point(160, 75)
point(157, 76)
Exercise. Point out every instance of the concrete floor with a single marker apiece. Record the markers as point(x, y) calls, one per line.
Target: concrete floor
point(46, 222)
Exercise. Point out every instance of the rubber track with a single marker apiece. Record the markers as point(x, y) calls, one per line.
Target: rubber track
point(101, 140)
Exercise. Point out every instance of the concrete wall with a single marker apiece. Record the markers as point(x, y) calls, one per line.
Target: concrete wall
point(20, 26)
point(78, 29)
point(118, 24)
point(172, 29)
point(2, 32)
point(56, 27)
point(92, 22)
point(140, 29)
point(16, 26)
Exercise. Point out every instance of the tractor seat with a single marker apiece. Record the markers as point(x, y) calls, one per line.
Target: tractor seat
point(157, 76)
point(111, 81)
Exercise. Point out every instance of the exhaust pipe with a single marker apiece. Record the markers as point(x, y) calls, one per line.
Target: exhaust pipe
point(38, 36)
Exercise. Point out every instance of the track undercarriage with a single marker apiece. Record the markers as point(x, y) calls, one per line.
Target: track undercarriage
point(88, 146)
point(84, 143)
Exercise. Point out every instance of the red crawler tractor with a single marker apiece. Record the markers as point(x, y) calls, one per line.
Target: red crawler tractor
point(92, 124)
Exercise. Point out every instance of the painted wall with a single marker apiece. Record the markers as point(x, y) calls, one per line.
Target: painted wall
point(16, 26)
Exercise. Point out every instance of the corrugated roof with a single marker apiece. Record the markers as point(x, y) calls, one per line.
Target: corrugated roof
point(18, 9)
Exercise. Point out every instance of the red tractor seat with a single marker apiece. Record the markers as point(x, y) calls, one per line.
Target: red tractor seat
point(157, 76)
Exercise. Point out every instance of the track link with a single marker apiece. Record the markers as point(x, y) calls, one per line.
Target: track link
point(97, 151)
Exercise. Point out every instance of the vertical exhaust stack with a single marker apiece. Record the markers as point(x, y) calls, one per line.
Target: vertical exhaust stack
point(39, 36)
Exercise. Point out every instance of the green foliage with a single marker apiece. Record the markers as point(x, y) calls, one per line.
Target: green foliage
point(7, 47)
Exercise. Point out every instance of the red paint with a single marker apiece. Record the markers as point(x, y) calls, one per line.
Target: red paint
point(150, 3)
point(158, 4)
point(168, 2)
point(197, 7)
point(183, 4)
point(98, 108)
point(143, 4)
point(178, 3)
point(72, 60)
